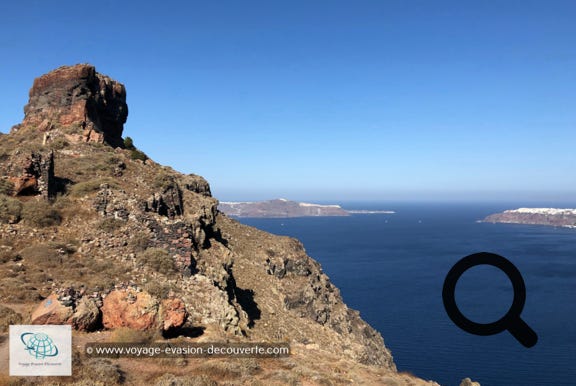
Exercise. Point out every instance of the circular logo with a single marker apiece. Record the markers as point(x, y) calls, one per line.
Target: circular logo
point(39, 345)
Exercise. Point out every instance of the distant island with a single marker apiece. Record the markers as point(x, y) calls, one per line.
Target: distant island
point(535, 216)
point(282, 208)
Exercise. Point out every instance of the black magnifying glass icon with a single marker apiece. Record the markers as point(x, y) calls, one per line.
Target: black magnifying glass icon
point(511, 321)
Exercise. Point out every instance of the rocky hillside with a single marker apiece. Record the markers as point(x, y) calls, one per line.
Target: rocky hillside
point(535, 216)
point(123, 249)
point(279, 208)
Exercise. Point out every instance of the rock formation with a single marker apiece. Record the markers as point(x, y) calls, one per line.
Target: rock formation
point(469, 382)
point(150, 250)
point(36, 176)
point(141, 311)
point(69, 307)
point(78, 101)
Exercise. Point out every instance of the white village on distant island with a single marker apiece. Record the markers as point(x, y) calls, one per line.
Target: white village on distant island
point(281, 208)
point(535, 216)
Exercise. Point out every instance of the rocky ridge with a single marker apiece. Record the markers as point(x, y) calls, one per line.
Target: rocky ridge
point(535, 216)
point(280, 208)
point(95, 236)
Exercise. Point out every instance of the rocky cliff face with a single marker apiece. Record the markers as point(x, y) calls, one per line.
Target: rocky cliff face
point(129, 243)
point(78, 101)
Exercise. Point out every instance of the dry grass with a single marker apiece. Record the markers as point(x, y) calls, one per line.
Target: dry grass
point(10, 209)
point(8, 317)
point(82, 189)
point(230, 369)
point(6, 187)
point(140, 241)
point(173, 380)
point(158, 260)
point(157, 288)
point(27, 274)
point(37, 213)
point(97, 371)
point(128, 335)
point(7, 255)
point(48, 255)
point(111, 225)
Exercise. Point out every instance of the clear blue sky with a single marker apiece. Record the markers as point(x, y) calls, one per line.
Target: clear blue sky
point(326, 100)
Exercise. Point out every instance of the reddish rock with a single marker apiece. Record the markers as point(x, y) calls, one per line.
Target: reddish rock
point(36, 176)
point(129, 308)
point(173, 313)
point(88, 106)
point(51, 311)
point(23, 184)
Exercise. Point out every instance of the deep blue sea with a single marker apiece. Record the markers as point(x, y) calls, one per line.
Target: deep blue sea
point(391, 267)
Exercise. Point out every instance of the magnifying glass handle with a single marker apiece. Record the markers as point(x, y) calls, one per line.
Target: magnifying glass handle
point(523, 333)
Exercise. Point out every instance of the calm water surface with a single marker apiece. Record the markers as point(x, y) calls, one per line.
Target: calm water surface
point(391, 268)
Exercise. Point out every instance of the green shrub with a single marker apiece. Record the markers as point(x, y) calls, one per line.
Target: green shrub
point(138, 155)
point(159, 260)
point(10, 209)
point(129, 143)
point(40, 214)
point(135, 154)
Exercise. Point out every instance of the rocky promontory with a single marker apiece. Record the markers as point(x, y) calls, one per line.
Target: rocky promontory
point(280, 208)
point(96, 235)
point(78, 103)
point(535, 216)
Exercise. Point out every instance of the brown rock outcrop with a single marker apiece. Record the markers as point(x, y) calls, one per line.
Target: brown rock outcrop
point(469, 382)
point(139, 310)
point(173, 314)
point(51, 311)
point(196, 184)
point(89, 106)
point(68, 307)
point(87, 316)
point(37, 176)
point(129, 308)
point(168, 202)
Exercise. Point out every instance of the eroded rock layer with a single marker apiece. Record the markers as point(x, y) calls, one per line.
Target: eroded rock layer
point(88, 106)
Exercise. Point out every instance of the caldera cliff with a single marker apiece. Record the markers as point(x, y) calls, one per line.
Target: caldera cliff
point(96, 235)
